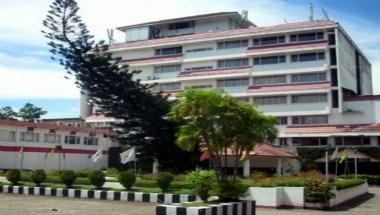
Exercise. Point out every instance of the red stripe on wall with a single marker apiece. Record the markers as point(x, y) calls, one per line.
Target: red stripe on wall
point(47, 150)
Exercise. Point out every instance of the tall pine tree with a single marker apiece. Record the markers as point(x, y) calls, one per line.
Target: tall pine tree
point(112, 88)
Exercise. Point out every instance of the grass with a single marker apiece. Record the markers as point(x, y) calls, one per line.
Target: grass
point(197, 204)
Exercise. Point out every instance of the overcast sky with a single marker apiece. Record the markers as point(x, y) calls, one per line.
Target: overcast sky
point(28, 74)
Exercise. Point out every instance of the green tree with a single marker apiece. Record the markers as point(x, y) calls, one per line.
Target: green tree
point(7, 113)
point(111, 87)
point(215, 121)
point(30, 112)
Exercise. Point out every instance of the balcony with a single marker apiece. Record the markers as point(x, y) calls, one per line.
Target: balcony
point(214, 54)
point(294, 109)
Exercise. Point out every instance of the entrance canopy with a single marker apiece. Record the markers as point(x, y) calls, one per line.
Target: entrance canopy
point(350, 153)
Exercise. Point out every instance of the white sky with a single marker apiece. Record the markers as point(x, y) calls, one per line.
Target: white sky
point(26, 71)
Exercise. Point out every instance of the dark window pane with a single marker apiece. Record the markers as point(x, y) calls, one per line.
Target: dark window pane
point(331, 39)
point(269, 60)
point(307, 57)
point(320, 35)
point(321, 56)
point(332, 56)
point(282, 59)
point(334, 77)
point(256, 61)
point(256, 42)
point(281, 39)
point(294, 58)
point(268, 40)
point(335, 98)
point(306, 37)
point(293, 38)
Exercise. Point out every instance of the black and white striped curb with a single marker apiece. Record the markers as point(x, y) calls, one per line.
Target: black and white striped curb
point(100, 194)
point(245, 207)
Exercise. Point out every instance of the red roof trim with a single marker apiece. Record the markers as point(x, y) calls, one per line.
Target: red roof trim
point(291, 44)
point(333, 128)
point(152, 58)
point(214, 71)
point(253, 87)
point(362, 98)
point(43, 125)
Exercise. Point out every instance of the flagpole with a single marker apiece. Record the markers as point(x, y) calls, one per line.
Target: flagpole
point(326, 165)
point(356, 164)
point(22, 158)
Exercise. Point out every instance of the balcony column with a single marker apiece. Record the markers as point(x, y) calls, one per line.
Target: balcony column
point(155, 166)
point(279, 166)
point(247, 168)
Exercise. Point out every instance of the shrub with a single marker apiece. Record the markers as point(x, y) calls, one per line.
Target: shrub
point(68, 178)
point(230, 190)
point(112, 172)
point(164, 180)
point(38, 177)
point(84, 173)
point(13, 176)
point(202, 182)
point(127, 179)
point(318, 191)
point(97, 178)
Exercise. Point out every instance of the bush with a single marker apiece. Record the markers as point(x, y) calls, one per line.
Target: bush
point(112, 172)
point(164, 180)
point(13, 176)
point(202, 182)
point(230, 190)
point(97, 178)
point(127, 179)
point(68, 178)
point(371, 179)
point(84, 173)
point(38, 177)
point(347, 183)
point(318, 191)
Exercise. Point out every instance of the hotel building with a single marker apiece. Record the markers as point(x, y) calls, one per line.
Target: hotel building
point(310, 75)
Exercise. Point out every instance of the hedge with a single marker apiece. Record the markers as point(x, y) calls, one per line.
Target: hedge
point(371, 179)
point(347, 183)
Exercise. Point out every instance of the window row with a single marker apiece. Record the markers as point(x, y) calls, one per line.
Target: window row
point(296, 78)
point(232, 44)
point(53, 138)
point(303, 120)
point(307, 57)
point(167, 68)
point(198, 68)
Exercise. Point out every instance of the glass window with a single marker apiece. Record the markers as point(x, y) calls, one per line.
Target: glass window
point(232, 44)
point(168, 87)
point(198, 87)
point(282, 120)
point(181, 25)
point(233, 63)
point(72, 139)
point(198, 68)
point(306, 37)
point(29, 137)
point(309, 141)
point(332, 56)
point(335, 98)
point(270, 100)
point(283, 142)
point(309, 77)
point(269, 60)
point(334, 77)
point(169, 51)
point(305, 120)
point(167, 68)
point(312, 98)
point(52, 138)
point(12, 136)
point(281, 79)
point(268, 41)
point(200, 49)
point(331, 39)
point(233, 82)
point(90, 141)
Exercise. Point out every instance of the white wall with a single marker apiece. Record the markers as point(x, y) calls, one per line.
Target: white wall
point(346, 64)
point(364, 112)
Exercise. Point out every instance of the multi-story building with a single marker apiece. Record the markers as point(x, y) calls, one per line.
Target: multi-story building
point(311, 75)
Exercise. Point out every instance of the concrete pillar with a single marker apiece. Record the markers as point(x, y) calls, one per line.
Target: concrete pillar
point(247, 168)
point(155, 166)
point(279, 166)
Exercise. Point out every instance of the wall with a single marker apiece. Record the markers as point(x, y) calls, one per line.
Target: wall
point(344, 195)
point(346, 64)
point(277, 196)
point(361, 112)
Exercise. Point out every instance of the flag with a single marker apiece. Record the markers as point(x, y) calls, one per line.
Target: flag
point(98, 154)
point(127, 156)
point(19, 154)
point(334, 154)
point(344, 156)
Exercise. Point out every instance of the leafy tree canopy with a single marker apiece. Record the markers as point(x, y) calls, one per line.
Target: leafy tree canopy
point(215, 121)
point(30, 112)
point(7, 113)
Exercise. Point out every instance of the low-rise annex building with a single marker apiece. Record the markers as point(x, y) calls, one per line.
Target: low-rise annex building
point(38, 145)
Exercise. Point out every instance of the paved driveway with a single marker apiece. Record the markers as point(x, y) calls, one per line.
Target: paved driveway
point(13, 204)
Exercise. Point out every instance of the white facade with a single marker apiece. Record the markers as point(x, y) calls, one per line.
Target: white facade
point(31, 146)
point(305, 73)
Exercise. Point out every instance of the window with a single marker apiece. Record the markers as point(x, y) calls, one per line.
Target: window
point(268, 41)
point(200, 49)
point(280, 79)
point(309, 141)
point(232, 44)
point(332, 56)
point(308, 57)
point(283, 142)
point(233, 63)
point(181, 25)
point(12, 136)
point(357, 140)
point(29, 137)
point(282, 120)
point(334, 77)
point(312, 98)
point(198, 68)
point(308, 77)
point(242, 99)
point(168, 87)
point(335, 98)
point(169, 51)
point(167, 68)
point(270, 100)
point(306, 120)
point(233, 82)
point(91, 140)
point(52, 138)
point(199, 87)
point(269, 60)
point(331, 39)
point(306, 37)
point(72, 139)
